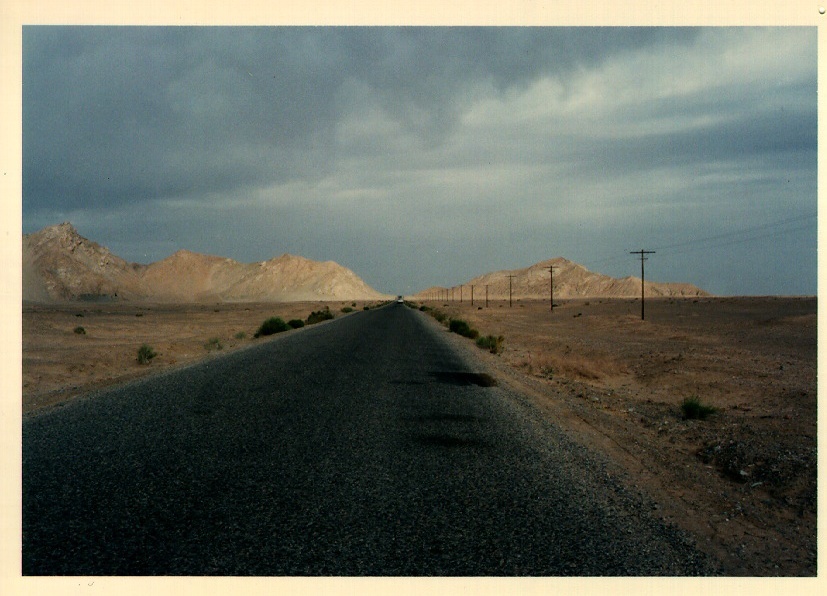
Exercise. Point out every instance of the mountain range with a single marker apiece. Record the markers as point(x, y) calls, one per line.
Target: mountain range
point(570, 281)
point(61, 265)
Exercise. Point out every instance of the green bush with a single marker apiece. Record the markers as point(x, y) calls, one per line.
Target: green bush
point(693, 409)
point(318, 316)
point(439, 315)
point(271, 326)
point(145, 354)
point(347, 309)
point(240, 335)
point(491, 343)
point(366, 307)
point(462, 328)
point(80, 330)
point(213, 343)
point(295, 323)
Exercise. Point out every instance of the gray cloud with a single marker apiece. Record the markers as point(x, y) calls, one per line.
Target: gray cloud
point(125, 114)
point(379, 147)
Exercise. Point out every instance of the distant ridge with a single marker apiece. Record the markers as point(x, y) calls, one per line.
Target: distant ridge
point(61, 265)
point(570, 281)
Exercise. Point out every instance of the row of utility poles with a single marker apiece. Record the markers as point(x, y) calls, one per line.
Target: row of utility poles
point(438, 295)
point(447, 294)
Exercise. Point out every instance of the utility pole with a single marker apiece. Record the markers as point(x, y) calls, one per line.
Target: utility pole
point(551, 269)
point(460, 293)
point(486, 295)
point(510, 277)
point(642, 252)
point(472, 294)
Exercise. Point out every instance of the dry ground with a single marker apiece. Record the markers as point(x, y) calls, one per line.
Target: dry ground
point(742, 481)
point(59, 364)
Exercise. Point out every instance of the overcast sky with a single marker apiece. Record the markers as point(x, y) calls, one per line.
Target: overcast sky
point(427, 156)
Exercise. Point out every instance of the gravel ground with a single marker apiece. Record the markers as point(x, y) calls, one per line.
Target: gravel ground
point(369, 445)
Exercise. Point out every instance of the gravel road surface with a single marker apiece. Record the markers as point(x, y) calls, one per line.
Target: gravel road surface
point(367, 445)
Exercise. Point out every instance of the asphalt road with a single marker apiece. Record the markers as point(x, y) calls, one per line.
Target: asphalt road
point(361, 446)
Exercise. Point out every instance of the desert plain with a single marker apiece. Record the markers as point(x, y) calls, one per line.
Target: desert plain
point(742, 482)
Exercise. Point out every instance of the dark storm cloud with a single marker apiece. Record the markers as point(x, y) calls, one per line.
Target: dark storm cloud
point(772, 135)
point(413, 155)
point(130, 114)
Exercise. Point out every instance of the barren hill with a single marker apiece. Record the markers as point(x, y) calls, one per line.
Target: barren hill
point(59, 264)
point(570, 281)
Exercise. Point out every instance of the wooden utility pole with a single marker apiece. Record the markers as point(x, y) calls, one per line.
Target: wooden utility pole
point(460, 293)
point(486, 295)
point(510, 277)
point(551, 269)
point(472, 294)
point(642, 252)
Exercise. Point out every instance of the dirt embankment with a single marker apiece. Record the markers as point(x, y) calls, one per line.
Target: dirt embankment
point(744, 479)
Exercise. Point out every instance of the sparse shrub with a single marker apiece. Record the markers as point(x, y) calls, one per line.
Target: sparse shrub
point(80, 314)
point(438, 315)
point(318, 316)
point(462, 328)
point(145, 354)
point(240, 335)
point(353, 304)
point(271, 326)
point(366, 307)
point(139, 314)
point(347, 309)
point(213, 343)
point(80, 330)
point(693, 409)
point(491, 343)
point(424, 308)
point(295, 323)
point(547, 372)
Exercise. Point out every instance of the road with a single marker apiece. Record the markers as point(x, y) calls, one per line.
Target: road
point(363, 446)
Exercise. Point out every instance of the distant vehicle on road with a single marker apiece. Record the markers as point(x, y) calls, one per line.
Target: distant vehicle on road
point(400, 300)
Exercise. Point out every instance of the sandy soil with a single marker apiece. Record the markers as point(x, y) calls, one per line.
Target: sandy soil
point(743, 481)
point(59, 364)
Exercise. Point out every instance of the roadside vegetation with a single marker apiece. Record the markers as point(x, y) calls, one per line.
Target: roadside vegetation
point(145, 354)
point(492, 343)
point(214, 343)
point(317, 316)
point(272, 326)
point(693, 409)
point(462, 328)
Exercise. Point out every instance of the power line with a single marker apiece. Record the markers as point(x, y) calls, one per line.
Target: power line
point(743, 231)
point(707, 242)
